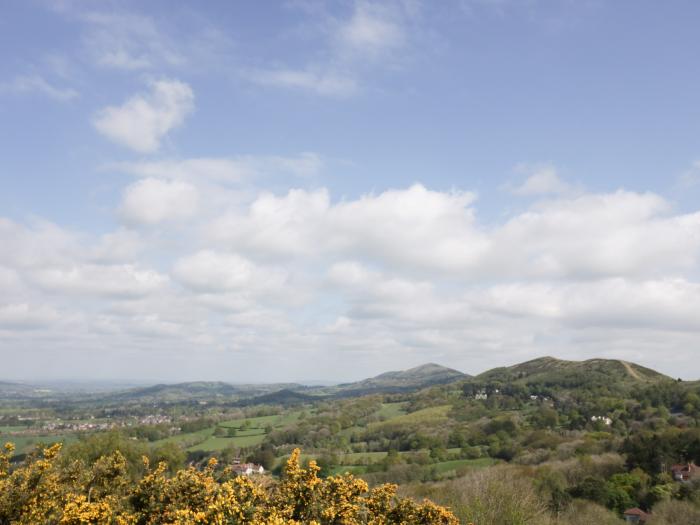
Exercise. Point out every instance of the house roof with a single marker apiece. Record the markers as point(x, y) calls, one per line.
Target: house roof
point(685, 467)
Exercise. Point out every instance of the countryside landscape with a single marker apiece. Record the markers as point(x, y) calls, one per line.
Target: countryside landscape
point(349, 262)
point(545, 441)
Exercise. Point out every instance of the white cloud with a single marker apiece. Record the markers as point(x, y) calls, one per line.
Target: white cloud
point(25, 84)
point(117, 281)
point(129, 41)
point(416, 227)
point(408, 274)
point(210, 272)
point(373, 29)
point(541, 180)
point(151, 201)
point(596, 235)
point(313, 80)
point(216, 169)
point(143, 120)
point(223, 170)
point(690, 178)
point(353, 47)
point(22, 316)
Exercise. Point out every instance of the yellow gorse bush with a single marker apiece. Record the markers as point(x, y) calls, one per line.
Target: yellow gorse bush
point(44, 490)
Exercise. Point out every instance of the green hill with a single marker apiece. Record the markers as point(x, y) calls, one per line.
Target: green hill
point(400, 381)
point(557, 373)
point(196, 391)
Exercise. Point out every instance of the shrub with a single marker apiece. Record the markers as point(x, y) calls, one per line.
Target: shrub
point(48, 491)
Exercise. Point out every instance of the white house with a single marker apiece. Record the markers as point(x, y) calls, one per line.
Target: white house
point(605, 419)
point(246, 469)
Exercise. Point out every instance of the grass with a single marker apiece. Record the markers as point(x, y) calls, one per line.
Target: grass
point(391, 410)
point(25, 444)
point(424, 416)
point(253, 433)
point(352, 457)
point(352, 469)
point(447, 466)
point(8, 429)
point(214, 443)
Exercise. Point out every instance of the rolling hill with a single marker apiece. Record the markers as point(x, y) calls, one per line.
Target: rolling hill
point(557, 373)
point(399, 381)
point(198, 390)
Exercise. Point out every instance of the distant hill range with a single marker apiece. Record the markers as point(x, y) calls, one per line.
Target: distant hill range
point(196, 391)
point(547, 372)
point(400, 381)
point(560, 374)
point(290, 393)
point(9, 390)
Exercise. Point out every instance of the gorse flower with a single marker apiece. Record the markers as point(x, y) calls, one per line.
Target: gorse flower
point(45, 490)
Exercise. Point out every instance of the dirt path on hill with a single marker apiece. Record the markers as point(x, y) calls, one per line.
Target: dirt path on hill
point(631, 371)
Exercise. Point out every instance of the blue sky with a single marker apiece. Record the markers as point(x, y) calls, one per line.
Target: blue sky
point(342, 188)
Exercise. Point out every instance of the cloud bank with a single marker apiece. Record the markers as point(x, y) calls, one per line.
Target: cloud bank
point(400, 276)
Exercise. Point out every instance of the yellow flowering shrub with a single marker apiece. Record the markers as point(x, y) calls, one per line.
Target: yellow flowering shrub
point(45, 491)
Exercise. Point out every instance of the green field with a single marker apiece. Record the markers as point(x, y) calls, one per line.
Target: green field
point(426, 416)
point(25, 444)
point(352, 469)
point(249, 432)
point(352, 457)
point(391, 410)
point(446, 466)
point(7, 430)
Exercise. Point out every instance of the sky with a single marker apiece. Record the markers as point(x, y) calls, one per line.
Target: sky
point(303, 190)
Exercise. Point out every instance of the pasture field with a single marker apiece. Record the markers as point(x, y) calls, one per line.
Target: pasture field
point(249, 432)
point(26, 444)
point(391, 410)
point(426, 416)
point(446, 466)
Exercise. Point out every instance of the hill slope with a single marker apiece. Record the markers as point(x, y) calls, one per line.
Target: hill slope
point(557, 373)
point(198, 390)
point(399, 381)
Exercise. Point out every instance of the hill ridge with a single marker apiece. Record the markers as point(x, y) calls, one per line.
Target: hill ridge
point(569, 374)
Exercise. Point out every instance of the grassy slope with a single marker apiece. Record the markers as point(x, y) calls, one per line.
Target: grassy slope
point(557, 372)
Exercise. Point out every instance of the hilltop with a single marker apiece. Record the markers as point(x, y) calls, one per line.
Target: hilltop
point(558, 373)
point(415, 378)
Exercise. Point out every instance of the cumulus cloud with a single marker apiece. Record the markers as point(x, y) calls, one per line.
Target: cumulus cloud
point(615, 234)
point(211, 272)
point(151, 201)
point(408, 274)
point(416, 227)
point(23, 316)
point(124, 280)
point(143, 120)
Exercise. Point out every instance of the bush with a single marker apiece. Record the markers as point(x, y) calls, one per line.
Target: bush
point(46, 490)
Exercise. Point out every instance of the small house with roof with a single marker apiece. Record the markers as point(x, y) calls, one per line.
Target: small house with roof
point(635, 515)
point(685, 472)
